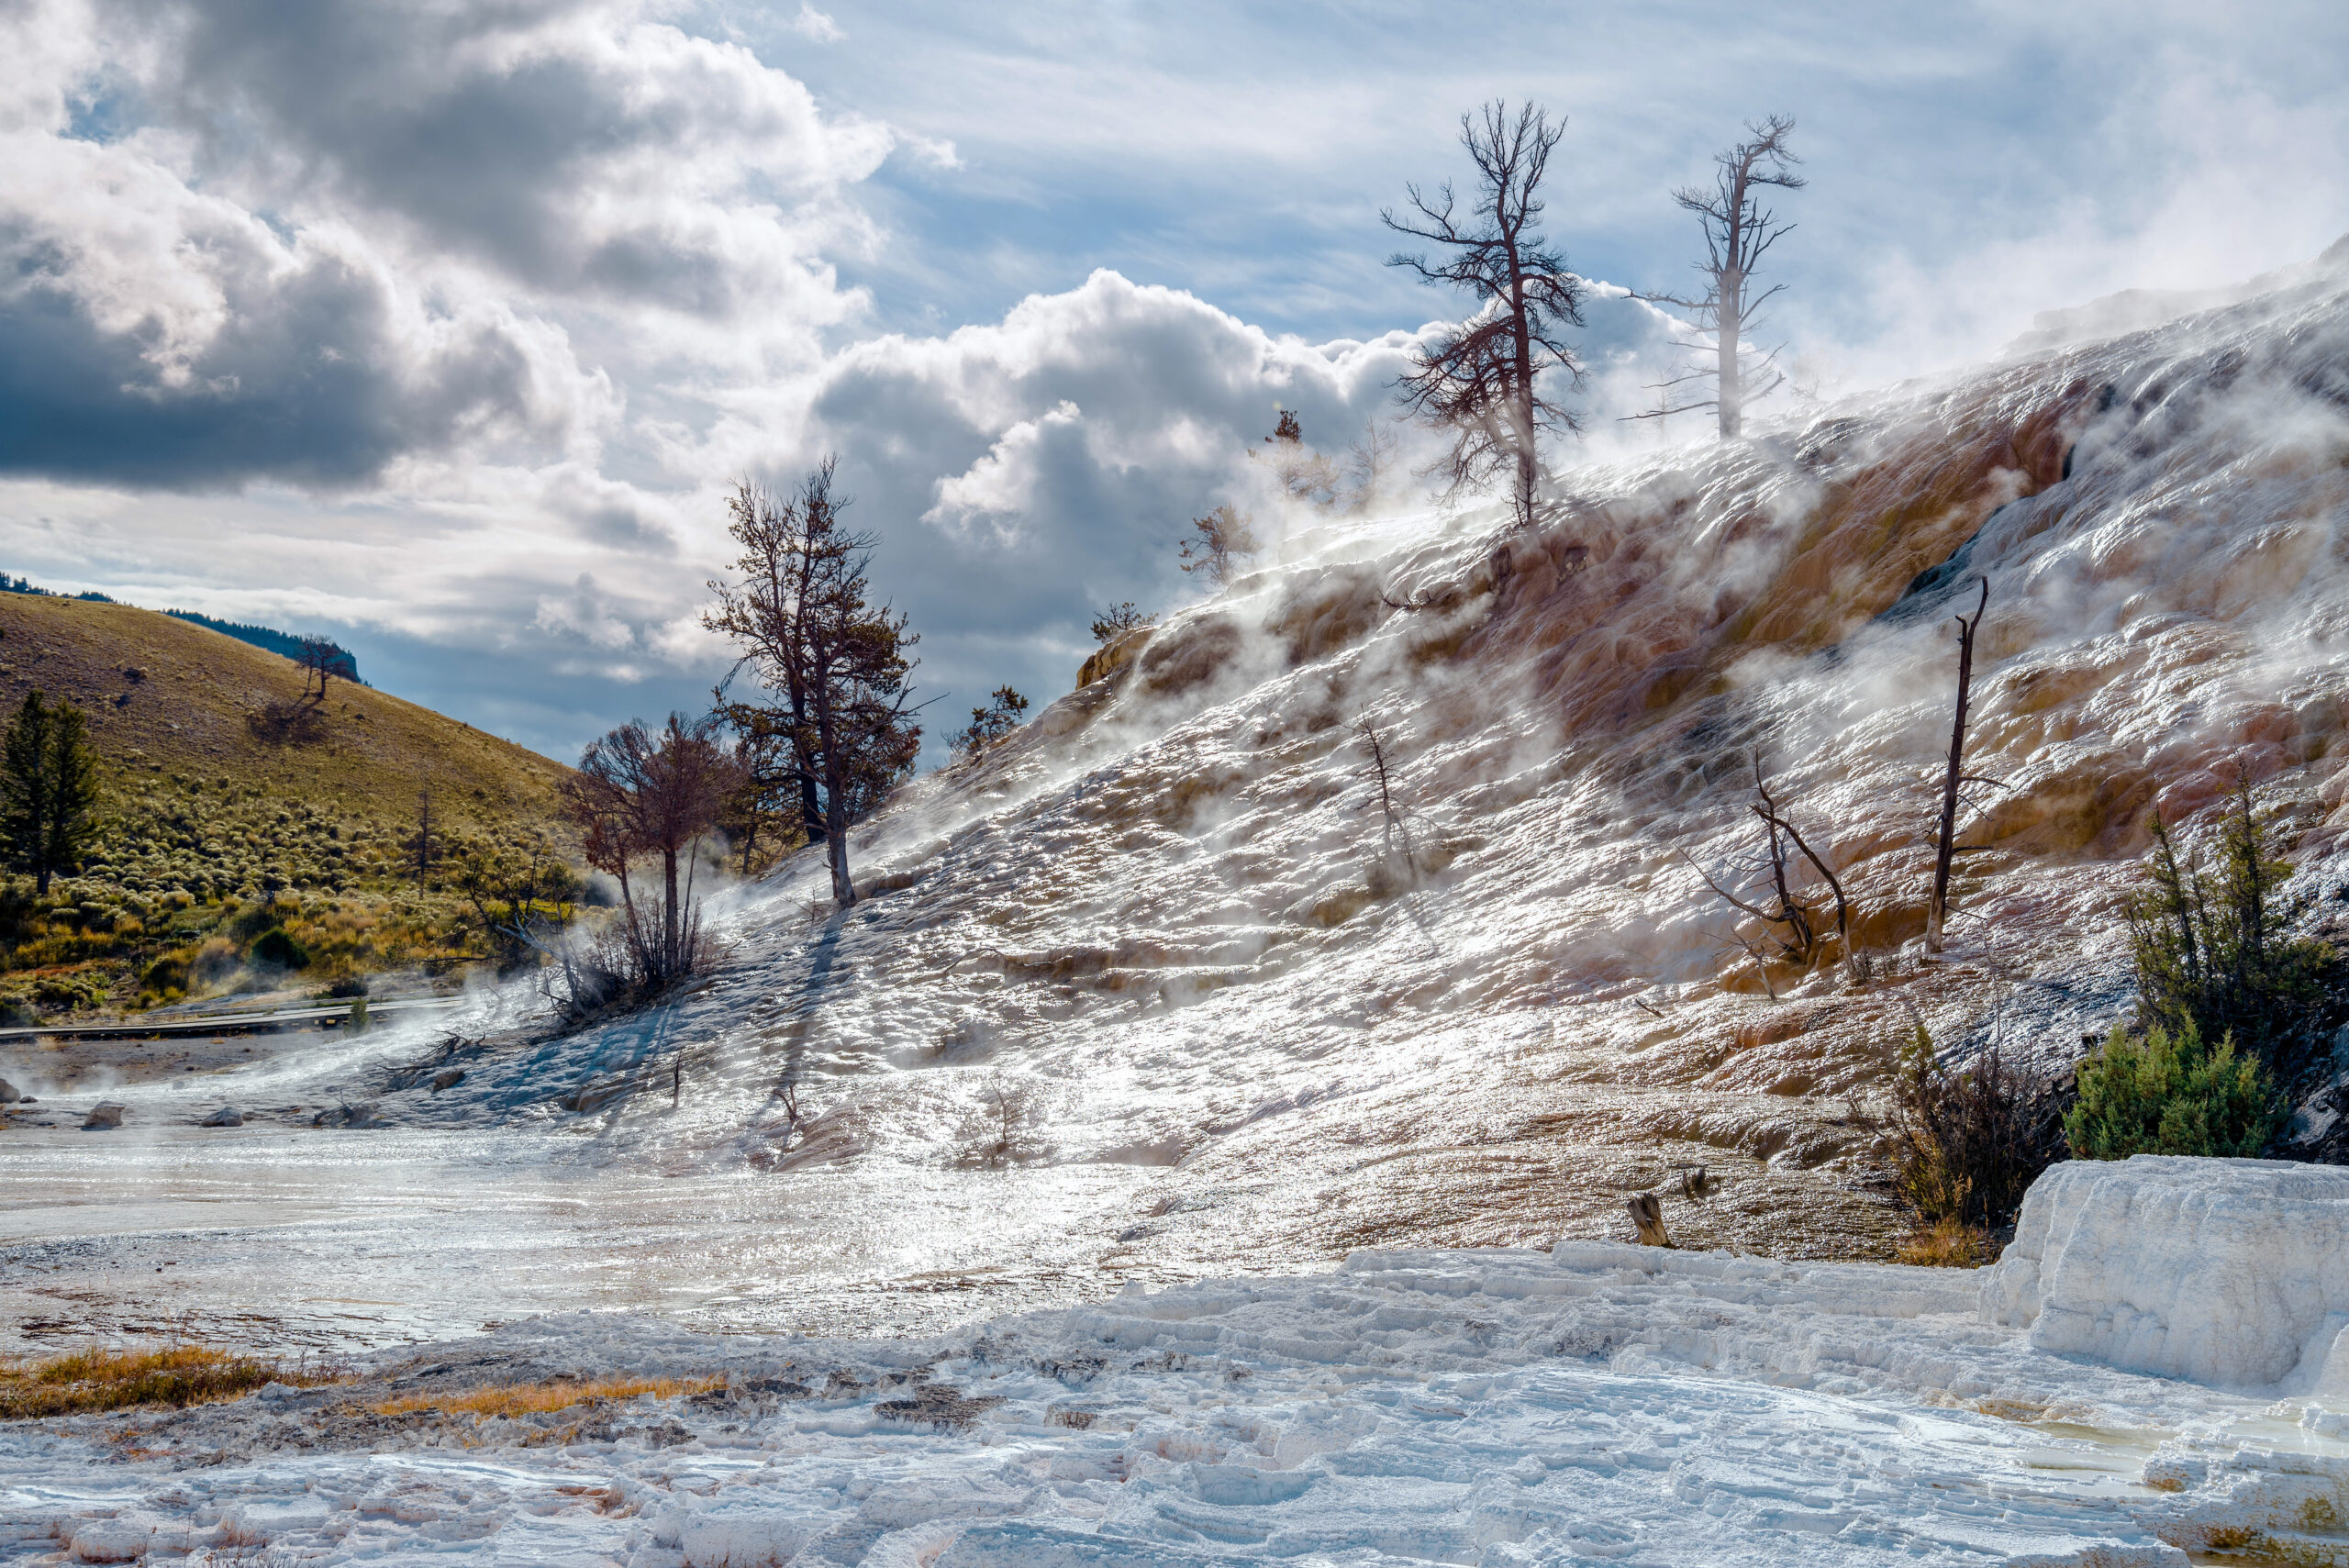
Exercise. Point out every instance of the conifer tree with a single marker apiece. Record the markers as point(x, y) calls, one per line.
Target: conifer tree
point(49, 789)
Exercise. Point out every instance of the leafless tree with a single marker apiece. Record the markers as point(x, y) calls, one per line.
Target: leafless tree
point(1369, 463)
point(423, 837)
point(1796, 922)
point(801, 614)
point(1946, 845)
point(1483, 380)
point(1395, 819)
point(640, 794)
point(1219, 542)
point(1738, 230)
point(1001, 1129)
point(320, 660)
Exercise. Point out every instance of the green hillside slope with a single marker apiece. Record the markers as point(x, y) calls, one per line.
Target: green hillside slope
point(216, 835)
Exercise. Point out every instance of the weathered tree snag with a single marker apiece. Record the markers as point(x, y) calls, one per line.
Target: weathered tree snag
point(1647, 1213)
point(1937, 911)
point(1738, 230)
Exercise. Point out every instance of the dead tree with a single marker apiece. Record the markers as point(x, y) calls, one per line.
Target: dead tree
point(1738, 230)
point(1781, 906)
point(321, 659)
point(1481, 379)
point(1395, 820)
point(1647, 1218)
point(1946, 845)
point(423, 837)
point(1369, 462)
point(1767, 809)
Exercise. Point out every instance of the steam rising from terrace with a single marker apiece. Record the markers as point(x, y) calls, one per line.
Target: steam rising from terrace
point(1142, 994)
point(1158, 914)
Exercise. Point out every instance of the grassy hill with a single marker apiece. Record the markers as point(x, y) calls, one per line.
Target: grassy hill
point(216, 835)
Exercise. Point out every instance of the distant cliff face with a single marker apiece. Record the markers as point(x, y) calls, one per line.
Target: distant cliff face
point(1467, 983)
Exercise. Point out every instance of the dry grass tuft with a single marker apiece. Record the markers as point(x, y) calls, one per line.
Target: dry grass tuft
point(537, 1398)
point(1948, 1243)
point(92, 1380)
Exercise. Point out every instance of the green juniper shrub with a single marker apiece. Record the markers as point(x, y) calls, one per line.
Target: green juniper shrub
point(2172, 1094)
point(2211, 947)
point(277, 948)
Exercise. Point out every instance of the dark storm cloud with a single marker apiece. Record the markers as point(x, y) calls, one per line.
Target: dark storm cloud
point(316, 383)
point(259, 240)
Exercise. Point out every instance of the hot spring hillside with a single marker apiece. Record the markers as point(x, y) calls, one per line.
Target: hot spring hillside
point(203, 815)
point(1162, 926)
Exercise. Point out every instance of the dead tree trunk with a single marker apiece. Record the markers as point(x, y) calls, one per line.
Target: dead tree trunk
point(1647, 1215)
point(1945, 846)
point(1395, 824)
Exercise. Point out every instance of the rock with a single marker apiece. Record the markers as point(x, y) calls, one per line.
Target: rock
point(448, 1078)
point(111, 1540)
point(105, 1116)
point(1114, 656)
point(2233, 1272)
point(8, 1091)
point(227, 1116)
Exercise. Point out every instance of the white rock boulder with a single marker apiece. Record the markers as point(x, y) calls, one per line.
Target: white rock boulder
point(2232, 1273)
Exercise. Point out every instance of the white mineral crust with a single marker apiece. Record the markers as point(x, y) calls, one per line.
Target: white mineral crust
point(2233, 1272)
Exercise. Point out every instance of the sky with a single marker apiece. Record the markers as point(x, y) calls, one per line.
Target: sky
point(444, 328)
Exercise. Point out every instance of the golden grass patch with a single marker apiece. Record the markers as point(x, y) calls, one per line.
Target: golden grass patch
point(1948, 1244)
point(92, 1380)
point(537, 1398)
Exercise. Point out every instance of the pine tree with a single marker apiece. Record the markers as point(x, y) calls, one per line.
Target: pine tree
point(49, 789)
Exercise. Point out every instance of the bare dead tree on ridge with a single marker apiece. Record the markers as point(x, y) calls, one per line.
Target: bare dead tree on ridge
point(1482, 380)
point(1738, 230)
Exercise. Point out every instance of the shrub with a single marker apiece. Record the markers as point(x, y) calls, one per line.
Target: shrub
point(1967, 1146)
point(2211, 950)
point(275, 946)
point(2173, 1095)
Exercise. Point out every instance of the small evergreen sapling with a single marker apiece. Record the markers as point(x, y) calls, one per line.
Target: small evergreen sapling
point(1119, 619)
point(991, 726)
